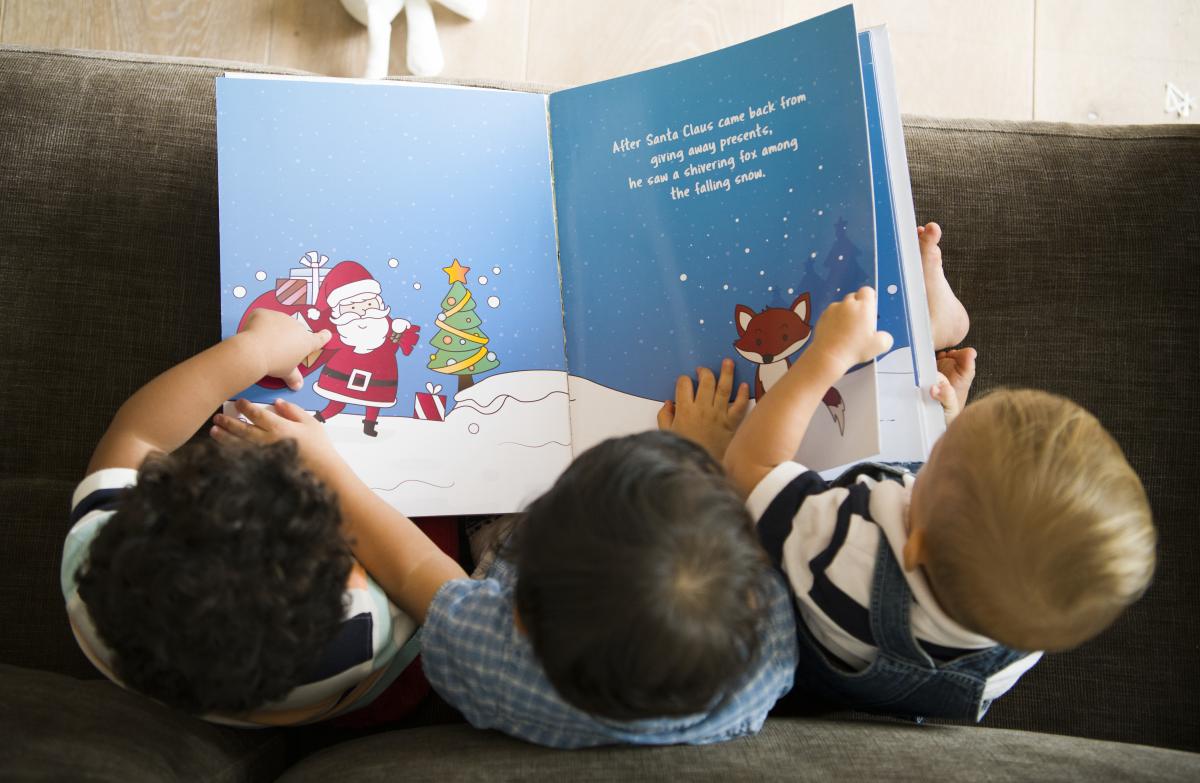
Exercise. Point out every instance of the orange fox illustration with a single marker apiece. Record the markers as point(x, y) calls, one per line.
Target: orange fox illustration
point(771, 339)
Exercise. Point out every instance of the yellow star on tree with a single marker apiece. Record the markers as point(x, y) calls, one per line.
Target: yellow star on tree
point(456, 272)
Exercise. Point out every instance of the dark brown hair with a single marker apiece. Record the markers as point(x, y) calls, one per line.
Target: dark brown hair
point(639, 580)
point(220, 578)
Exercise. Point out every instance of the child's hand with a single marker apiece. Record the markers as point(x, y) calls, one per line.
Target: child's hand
point(706, 417)
point(956, 371)
point(282, 342)
point(271, 423)
point(846, 330)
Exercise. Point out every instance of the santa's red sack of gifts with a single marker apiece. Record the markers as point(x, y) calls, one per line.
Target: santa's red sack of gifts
point(429, 404)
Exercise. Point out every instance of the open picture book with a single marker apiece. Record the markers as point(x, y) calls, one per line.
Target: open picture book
point(513, 277)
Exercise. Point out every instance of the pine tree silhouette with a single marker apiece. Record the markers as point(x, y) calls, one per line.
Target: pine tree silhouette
point(843, 251)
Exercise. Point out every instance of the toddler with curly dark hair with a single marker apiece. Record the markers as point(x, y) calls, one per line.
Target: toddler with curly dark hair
point(214, 577)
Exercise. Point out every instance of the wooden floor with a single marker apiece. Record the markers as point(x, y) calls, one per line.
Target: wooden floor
point(1105, 61)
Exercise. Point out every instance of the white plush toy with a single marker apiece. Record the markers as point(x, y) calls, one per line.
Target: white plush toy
point(424, 50)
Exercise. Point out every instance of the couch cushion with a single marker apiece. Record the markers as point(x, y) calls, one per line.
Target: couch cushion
point(1076, 250)
point(108, 269)
point(58, 728)
point(787, 749)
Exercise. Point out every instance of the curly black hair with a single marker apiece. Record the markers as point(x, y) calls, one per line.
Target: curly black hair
point(220, 578)
point(640, 581)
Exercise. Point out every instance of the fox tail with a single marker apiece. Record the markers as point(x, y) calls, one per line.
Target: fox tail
point(836, 407)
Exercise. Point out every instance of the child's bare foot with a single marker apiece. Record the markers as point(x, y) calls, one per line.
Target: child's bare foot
point(947, 315)
point(956, 370)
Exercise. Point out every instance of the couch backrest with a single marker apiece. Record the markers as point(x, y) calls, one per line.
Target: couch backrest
point(1075, 248)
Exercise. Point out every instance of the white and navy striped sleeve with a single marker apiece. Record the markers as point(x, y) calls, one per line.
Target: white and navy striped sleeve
point(775, 500)
point(93, 503)
point(823, 540)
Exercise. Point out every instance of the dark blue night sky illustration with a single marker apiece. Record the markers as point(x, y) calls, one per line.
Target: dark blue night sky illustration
point(650, 283)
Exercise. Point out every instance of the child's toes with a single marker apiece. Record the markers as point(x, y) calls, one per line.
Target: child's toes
point(930, 233)
point(964, 361)
point(931, 254)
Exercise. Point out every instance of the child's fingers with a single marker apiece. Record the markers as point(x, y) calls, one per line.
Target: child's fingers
point(864, 294)
point(706, 384)
point(724, 384)
point(683, 390)
point(258, 415)
point(220, 435)
point(666, 415)
point(227, 428)
point(740, 404)
point(290, 410)
point(247, 409)
point(294, 379)
point(944, 393)
point(881, 342)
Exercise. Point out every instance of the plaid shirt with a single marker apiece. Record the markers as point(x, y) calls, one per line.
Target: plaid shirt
point(481, 664)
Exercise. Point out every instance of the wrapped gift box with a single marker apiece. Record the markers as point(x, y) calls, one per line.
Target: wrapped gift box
point(311, 273)
point(429, 404)
point(289, 291)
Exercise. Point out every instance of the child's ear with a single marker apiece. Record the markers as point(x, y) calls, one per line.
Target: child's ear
point(914, 548)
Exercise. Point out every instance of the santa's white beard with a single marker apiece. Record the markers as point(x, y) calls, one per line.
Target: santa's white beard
point(364, 334)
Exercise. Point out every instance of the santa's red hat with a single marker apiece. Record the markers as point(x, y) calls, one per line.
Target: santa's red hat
point(346, 280)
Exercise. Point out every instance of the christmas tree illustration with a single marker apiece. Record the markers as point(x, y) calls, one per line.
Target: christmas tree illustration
point(462, 347)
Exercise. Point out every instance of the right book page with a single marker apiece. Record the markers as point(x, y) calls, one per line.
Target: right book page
point(715, 208)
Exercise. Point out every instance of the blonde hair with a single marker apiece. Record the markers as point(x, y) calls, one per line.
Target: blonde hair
point(1037, 532)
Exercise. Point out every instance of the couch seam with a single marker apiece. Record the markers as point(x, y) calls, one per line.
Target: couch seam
point(1051, 134)
point(152, 59)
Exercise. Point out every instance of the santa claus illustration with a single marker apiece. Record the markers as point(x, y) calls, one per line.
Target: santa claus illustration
point(361, 370)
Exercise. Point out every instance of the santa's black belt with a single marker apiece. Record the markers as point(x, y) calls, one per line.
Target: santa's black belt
point(341, 376)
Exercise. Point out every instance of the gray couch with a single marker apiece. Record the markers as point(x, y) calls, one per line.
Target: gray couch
point(1076, 249)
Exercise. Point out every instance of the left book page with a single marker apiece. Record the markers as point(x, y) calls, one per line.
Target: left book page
point(416, 223)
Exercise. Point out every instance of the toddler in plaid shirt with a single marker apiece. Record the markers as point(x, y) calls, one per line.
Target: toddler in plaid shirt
point(632, 604)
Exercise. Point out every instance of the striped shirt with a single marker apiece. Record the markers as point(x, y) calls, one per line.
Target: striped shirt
point(371, 648)
point(478, 661)
point(831, 536)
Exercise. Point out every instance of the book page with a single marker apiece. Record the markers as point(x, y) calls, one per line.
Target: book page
point(910, 420)
point(928, 412)
point(416, 224)
point(714, 208)
point(901, 437)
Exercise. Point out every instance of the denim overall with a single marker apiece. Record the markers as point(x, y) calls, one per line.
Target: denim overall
point(904, 680)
